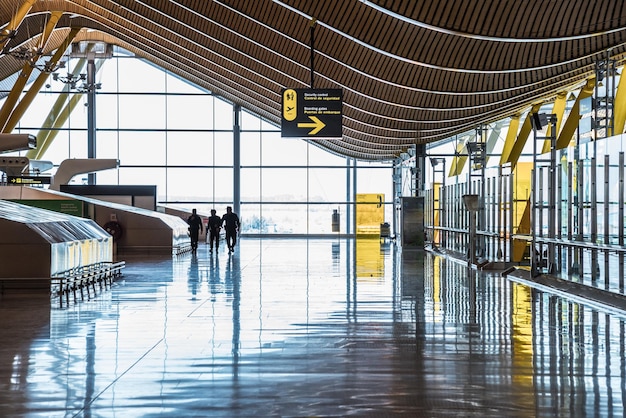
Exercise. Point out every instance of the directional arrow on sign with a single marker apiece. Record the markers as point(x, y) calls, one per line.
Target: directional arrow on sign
point(317, 125)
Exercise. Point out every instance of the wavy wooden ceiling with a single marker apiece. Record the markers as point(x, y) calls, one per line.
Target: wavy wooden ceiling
point(411, 71)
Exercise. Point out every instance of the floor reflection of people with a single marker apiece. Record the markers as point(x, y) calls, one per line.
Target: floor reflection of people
point(232, 275)
point(193, 276)
point(233, 286)
point(214, 276)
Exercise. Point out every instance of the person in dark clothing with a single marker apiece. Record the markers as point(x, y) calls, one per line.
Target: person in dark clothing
point(231, 227)
point(214, 226)
point(195, 227)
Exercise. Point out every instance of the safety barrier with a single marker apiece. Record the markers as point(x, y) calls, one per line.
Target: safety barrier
point(85, 279)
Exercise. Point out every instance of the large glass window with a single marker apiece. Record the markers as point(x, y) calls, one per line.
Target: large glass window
point(251, 148)
point(108, 111)
point(224, 148)
point(189, 148)
point(283, 151)
point(142, 176)
point(135, 75)
point(142, 148)
point(137, 111)
point(251, 184)
point(327, 184)
point(284, 185)
point(185, 185)
point(189, 112)
point(181, 138)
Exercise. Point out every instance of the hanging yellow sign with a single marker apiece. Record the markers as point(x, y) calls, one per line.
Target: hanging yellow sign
point(311, 113)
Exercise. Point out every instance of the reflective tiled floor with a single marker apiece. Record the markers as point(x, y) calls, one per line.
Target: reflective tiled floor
point(287, 327)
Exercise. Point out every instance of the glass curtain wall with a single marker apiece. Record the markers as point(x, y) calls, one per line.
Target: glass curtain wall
point(170, 133)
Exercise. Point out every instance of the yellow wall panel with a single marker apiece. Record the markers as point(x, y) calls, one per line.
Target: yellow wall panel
point(370, 213)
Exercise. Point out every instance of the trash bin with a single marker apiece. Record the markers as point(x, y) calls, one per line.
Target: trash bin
point(335, 221)
point(385, 230)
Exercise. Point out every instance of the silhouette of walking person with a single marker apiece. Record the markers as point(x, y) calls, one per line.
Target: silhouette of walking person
point(231, 227)
point(195, 227)
point(214, 226)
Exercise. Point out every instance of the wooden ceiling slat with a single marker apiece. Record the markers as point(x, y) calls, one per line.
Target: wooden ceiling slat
point(423, 11)
point(475, 18)
point(377, 30)
point(458, 16)
point(402, 82)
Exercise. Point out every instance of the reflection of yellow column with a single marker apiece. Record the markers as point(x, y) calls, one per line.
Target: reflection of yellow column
point(436, 211)
point(370, 263)
point(522, 343)
point(370, 214)
point(436, 286)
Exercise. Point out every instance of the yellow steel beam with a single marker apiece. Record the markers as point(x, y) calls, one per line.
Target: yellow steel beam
point(521, 207)
point(47, 32)
point(519, 245)
point(571, 124)
point(14, 94)
point(436, 188)
point(620, 106)
point(510, 139)
point(49, 123)
point(493, 139)
point(45, 138)
point(558, 109)
point(522, 137)
point(28, 98)
point(58, 115)
point(17, 19)
point(458, 162)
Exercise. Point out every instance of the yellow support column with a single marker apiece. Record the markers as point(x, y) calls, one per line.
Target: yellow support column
point(11, 100)
point(59, 113)
point(521, 208)
point(558, 109)
point(458, 162)
point(436, 188)
point(16, 20)
point(14, 94)
point(520, 245)
point(522, 137)
point(28, 98)
point(571, 124)
point(510, 139)
point(52, 23)
point(493, 139)
point(620, 106)
point(45, 138)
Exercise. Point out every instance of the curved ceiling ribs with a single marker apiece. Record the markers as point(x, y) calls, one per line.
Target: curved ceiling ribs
point(411, 72)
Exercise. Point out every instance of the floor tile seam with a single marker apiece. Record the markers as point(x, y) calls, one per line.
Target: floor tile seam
point(119, 377)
